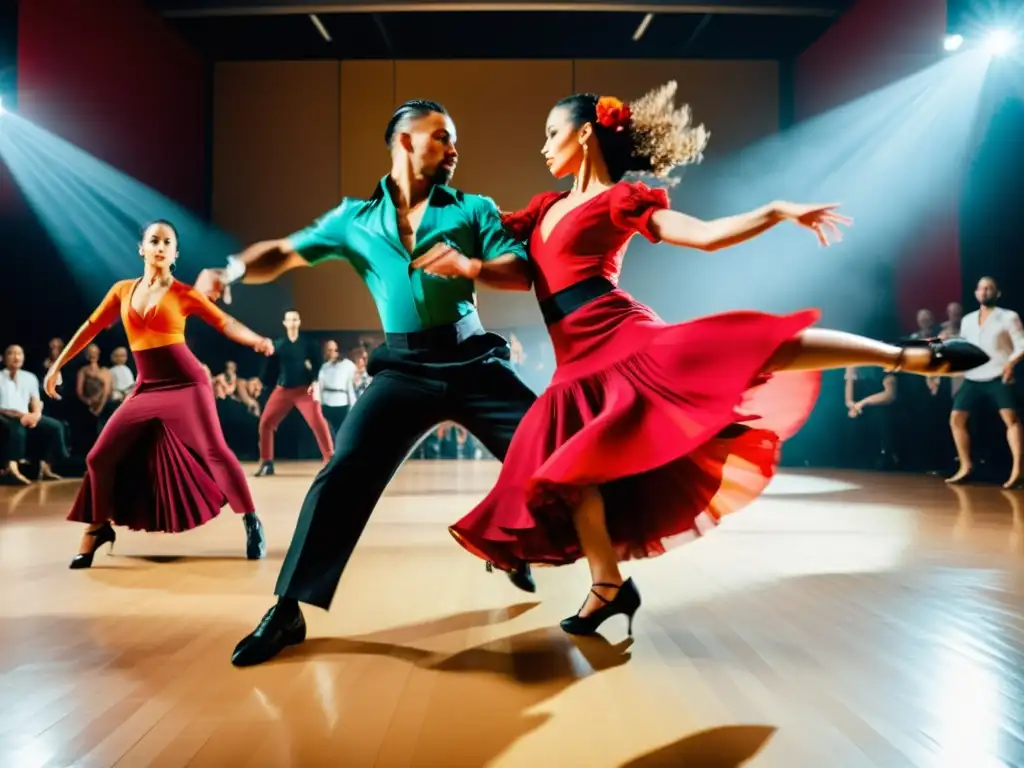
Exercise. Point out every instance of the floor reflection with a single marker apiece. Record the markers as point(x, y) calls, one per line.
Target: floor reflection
point(860, 620)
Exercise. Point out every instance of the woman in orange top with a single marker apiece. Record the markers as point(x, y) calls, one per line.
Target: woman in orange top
point(161, 463)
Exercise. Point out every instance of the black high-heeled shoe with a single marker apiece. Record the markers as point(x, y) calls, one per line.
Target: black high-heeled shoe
point(102, 535)
point(626, 603)
point(949, 357)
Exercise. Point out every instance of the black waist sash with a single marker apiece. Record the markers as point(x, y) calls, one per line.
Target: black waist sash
point(437, 338)
point(568, 300)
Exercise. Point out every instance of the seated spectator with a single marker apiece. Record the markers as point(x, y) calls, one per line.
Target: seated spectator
point(25, 433)
point(123, 380)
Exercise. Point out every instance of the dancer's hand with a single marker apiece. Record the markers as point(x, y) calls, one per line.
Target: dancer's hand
point(264, 346)
point(445, 261)
point(818, 218)
point(212, 283)
point(50, 383)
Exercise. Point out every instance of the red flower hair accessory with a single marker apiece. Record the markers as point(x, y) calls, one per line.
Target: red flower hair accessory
point(612, 113)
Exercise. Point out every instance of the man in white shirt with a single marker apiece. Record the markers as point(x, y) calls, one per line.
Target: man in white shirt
point(123, 378)
point(999, 333)
point(336, 380)
point(24, 429)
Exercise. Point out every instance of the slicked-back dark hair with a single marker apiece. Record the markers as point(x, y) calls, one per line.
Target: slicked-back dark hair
point(407, 112)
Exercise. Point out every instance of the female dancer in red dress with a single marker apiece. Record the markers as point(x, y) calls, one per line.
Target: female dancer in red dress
point(161, 463)
point(649, 431)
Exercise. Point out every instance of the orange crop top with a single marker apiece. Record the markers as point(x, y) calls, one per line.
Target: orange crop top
point(165, 323)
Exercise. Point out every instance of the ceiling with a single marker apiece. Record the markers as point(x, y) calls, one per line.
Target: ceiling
point(232, 30)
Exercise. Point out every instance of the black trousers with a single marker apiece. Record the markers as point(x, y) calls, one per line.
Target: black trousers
point(335, 415)
point(471, 382)
point(43, 442)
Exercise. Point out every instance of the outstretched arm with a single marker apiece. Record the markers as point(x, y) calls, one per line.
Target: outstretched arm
point(196, 304)
point(265, 261)
point(105, 314)
point(242, 334)
point(677, 228)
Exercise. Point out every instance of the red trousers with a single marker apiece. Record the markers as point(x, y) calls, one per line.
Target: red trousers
point(280, 402)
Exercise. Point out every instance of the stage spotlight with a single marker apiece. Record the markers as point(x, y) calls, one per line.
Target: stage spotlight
point(952, 42)
point(1, 106)
point(1000, 41)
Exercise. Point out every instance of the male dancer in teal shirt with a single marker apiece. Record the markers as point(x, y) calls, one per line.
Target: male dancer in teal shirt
point(438, 363)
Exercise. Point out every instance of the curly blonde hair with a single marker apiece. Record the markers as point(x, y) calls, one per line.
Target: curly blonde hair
point(663, 134)
point(648, 136)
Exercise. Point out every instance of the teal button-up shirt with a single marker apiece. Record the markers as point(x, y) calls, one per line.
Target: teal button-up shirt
point(365, 233)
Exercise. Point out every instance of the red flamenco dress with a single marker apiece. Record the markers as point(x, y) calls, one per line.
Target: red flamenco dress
point(676, 424)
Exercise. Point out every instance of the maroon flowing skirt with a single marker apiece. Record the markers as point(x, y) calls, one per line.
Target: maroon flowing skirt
point(677, 424)
point(161, 462)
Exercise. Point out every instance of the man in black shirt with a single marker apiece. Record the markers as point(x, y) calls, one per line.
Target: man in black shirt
point(294, 367)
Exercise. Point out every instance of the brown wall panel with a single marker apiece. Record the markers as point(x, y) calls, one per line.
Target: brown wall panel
point(332, 297)
point(738, 101)
point(275, 161)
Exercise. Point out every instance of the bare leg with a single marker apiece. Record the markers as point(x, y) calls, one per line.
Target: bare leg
point(14, 471)
point(1013, 437)
point(592, 531)
point(962, 438)
point(819, 349)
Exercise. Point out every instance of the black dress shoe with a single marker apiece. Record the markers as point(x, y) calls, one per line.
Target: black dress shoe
point(255, 541)
point(522, 576)
point(279, 628)
point(266, 468)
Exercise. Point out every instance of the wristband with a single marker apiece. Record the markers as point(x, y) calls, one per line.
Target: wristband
point(234, 271)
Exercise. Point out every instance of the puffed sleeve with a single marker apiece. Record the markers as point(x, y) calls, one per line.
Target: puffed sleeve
point(632, 206)
point(520, 224)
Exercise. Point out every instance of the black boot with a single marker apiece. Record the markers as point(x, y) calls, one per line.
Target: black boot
point(281, 626)
point(266, 468)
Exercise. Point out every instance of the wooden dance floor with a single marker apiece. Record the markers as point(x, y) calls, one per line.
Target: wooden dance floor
point(846, 619)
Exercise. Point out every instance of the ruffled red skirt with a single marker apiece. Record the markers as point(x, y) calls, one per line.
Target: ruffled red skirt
point(676, 424)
